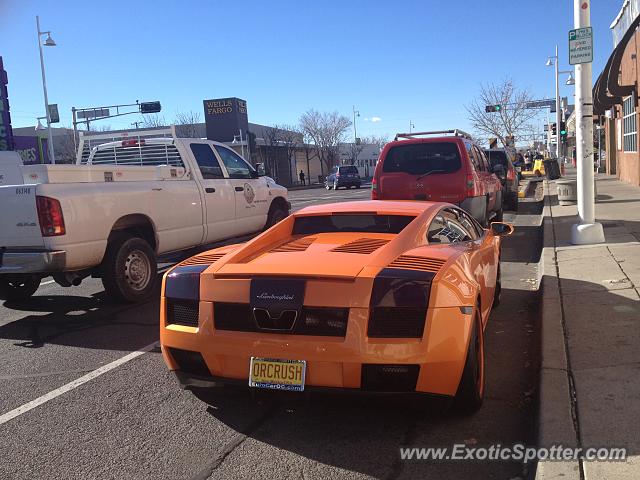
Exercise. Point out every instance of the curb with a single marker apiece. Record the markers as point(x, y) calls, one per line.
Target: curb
point(556, 425)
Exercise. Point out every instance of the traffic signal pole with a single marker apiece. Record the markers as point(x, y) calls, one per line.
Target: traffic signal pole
point(587, 231)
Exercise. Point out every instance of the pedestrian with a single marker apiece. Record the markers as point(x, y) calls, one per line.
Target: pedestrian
point(528, 161)
point(302, 177)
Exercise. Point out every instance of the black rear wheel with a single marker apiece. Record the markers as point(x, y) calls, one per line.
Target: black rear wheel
point(18, 287)
point(470, 394)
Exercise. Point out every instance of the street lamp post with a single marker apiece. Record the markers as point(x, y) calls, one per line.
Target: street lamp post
point(48, 43)
point(355, 134)
point(587, 231)
point(555, 63)
point(411, 126)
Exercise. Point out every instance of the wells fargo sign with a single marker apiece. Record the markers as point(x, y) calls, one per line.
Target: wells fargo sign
point(225, 117)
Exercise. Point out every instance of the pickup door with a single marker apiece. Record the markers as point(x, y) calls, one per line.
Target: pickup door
point(252, 205)
point(218, 194)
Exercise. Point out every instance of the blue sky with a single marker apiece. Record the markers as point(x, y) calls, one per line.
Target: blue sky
point(419, 61)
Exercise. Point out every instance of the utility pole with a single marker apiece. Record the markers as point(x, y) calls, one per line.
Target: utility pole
point(557, 108)
point(587, 231)
point(355, 135)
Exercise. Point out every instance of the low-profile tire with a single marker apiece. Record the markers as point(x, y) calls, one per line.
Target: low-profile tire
point(498, 291)
point(18, 287)
point(129, 269)
point(470, 394)
point(276, 214)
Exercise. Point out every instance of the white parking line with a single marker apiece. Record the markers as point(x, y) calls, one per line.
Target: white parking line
point(16, 412)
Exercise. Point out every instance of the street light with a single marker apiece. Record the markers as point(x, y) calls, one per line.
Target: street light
point(356, 113)
point(553, 60)
point(47, 43)
point(39, 126)
point(411, 125)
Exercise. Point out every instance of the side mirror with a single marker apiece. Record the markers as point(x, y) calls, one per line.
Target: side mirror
point(260, 169)
point(499, 170)
point(501, 229)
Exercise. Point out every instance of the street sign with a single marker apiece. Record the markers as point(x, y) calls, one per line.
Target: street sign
point(93, 113)
point(580, 45)
point(54, 116)
point(546, 103)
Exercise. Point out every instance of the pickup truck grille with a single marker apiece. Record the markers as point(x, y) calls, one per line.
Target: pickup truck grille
point(321, 321)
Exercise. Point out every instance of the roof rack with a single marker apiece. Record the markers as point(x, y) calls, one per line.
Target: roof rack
point(89, 140)
point(456, 133)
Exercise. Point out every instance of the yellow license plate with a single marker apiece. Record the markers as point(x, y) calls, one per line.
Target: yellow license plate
point(277, 374)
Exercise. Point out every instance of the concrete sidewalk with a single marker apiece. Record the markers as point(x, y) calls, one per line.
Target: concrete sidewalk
point(590, 371)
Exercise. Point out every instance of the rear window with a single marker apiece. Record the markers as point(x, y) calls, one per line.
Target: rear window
point(348, 169)
point(422, 158)
point(496, 157)
point(369, 222)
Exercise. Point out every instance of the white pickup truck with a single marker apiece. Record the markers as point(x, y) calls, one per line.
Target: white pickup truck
point(121, 205)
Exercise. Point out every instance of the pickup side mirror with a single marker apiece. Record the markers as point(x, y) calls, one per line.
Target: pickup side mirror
point(501, 229)
point(499, 170)
point(260, 169)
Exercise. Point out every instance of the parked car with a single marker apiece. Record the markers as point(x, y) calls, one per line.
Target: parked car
point(121, 205)
point(507, 174)
point(444, 166)
point(371, 296)
point(343, 176)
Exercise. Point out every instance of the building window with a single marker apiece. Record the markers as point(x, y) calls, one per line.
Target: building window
point(630, 125)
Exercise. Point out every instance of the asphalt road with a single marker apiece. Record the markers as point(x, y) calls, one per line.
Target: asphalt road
point(129, 419)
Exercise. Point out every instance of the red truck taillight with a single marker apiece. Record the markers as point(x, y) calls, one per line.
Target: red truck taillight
point(470, 187)
point(50, 216)
point(374, 189)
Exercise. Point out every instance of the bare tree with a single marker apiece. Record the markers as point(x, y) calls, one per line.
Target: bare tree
point(354, 151)
point(327, 131)
point(309, 150)
point(187, 124)
point(154, 121)
point(513, 117)
point(378, 140)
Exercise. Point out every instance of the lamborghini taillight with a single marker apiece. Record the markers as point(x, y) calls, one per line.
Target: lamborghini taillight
point(398, 305)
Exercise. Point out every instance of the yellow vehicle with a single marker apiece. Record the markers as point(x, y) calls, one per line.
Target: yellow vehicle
point(538, 168)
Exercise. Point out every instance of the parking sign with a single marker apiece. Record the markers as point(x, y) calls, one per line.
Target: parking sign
point(580, 45)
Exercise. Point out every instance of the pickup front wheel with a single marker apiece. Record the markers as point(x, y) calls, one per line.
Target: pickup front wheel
point(18, 287)
point(129, 269)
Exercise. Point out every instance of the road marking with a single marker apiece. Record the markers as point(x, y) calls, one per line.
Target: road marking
point(48, 282)
point(16, 412)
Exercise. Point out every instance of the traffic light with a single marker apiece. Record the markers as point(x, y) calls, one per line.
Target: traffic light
point(150, 107)
point(563, 132)
point(492, 108)
point(554, 129)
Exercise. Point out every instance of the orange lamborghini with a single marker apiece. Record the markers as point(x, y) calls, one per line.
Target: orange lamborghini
point(377, 296)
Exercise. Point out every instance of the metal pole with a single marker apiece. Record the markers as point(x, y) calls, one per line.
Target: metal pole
point(75, 129)
point(587, 231)
point(355, 137)
point(557, 107)
point(52, 156)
